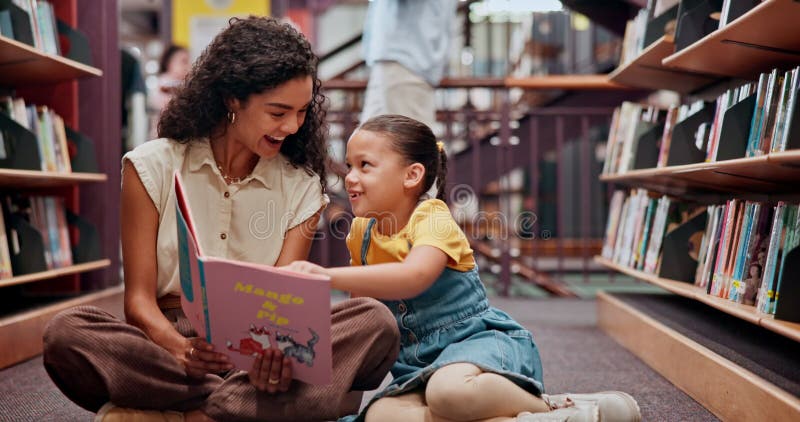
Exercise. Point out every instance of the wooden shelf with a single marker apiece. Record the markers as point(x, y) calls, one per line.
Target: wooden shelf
point(21, 64)
point(566, 82)
point(726, 389)
point(26, 328)
point(546, 82)
point(786, 158)
point(763, 38)
point(769, 174)
point(647, 71)
point(745, 312)
point(42, 179)
point(58, 272)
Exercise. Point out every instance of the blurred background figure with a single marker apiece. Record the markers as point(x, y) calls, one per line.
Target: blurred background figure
point(406, 47)
point(134, 112)
point(172, 68)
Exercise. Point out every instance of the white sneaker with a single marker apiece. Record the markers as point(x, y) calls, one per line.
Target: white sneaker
point(586, 413)
point(112, 413)
point(612, 406)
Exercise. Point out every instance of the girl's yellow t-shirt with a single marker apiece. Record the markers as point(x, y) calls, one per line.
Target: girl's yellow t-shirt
point(430, 224)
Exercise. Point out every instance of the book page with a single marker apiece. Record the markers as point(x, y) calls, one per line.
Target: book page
point(252, 309)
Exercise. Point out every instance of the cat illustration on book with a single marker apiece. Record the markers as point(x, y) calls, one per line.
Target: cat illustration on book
point(255, 344)
point(293, 349)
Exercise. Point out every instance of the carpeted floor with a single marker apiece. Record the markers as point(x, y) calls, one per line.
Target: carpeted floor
point(577, 357)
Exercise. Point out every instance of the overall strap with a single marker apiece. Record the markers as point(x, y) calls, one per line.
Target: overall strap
point(365, 242)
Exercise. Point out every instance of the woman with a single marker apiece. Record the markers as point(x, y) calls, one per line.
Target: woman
point(172, 69)
point(173, 66)
point(246, 132)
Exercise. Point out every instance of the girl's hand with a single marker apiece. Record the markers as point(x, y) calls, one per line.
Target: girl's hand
point(306, 267)
point(199, 358)
point(271, 372)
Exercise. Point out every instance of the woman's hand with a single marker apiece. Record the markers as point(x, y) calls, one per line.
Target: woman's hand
point(306, 267)
point(199, 358)
point(271, 372)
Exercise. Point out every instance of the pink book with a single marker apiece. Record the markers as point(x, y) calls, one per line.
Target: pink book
point(244, 309)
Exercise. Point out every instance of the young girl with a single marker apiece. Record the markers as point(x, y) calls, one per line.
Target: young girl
point(460, 359)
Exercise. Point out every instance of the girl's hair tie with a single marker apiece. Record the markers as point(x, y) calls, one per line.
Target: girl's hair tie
point(440, 146)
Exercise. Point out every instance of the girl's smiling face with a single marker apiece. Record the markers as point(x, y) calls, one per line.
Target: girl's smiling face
point(376, 175)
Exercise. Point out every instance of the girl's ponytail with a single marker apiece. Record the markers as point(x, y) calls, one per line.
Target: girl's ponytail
point(441, 173)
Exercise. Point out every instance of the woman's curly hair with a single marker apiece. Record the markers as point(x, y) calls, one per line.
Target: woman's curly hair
point(250, 56)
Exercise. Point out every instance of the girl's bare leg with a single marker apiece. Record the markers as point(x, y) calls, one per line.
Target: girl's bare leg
point(463, 392)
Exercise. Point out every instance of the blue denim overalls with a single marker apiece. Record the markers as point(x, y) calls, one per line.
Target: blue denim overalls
point(453, 322)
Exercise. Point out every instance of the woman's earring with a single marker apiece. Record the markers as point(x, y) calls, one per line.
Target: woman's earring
point(231, 117)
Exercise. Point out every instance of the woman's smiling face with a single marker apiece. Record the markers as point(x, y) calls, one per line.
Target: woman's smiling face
point(266, 119)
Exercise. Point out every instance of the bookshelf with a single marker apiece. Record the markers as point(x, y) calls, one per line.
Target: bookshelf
point(647, 71)
point(91, 106)
point(744, 312)
point(21, 64)
point(739, 59)
point(763, 38)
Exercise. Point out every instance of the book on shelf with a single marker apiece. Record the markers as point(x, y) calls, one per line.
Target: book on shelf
point(749, 120)
point(666, 135)
point(244, 308)
point(6, 24)
point(787, 99)
point(37, 233)
point(733, 9)
point(734, 286)
point(770, 110)
point(5, 254)
point(41, 21)
point(630, 123)
point(661, 6)
point(636, 227)
point(765, 82)
point(791, 241)
point(657, 233)
point(47, 128)
point(739, 250)
point(708, 245)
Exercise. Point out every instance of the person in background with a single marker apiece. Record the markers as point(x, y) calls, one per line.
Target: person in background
point(134, 114)
point(405, 45)
point(246, 131)
point(173, 67)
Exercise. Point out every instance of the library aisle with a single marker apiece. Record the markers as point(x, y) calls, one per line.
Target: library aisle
point(577, 357)
point(674, 168)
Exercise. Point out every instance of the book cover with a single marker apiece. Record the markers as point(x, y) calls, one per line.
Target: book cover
point(733, 248)
point(244, 308)
point(779, 142)
point(736, 287)
point(659, 228)
point(758, 116)
point(756, 257)
point(790, 242)
point(766, 292)
point(724, 241)
point(770, 111)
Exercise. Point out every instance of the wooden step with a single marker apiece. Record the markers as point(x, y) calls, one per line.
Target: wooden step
point(21, 333)
point(724, 388)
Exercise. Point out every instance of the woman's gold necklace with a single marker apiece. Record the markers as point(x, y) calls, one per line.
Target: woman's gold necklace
point(229, 179)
